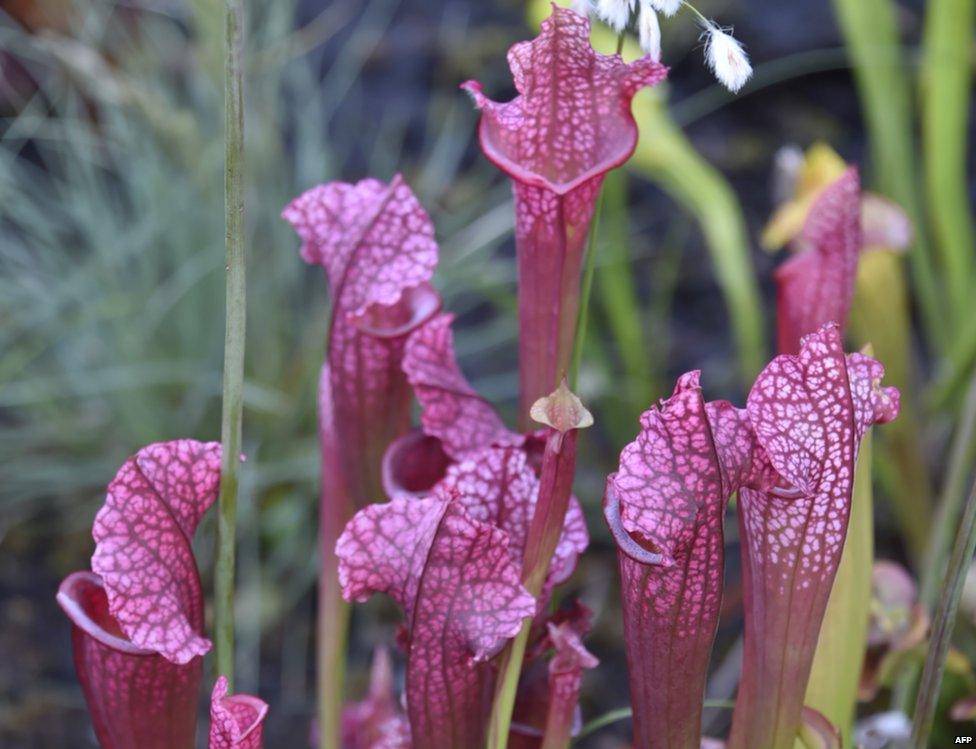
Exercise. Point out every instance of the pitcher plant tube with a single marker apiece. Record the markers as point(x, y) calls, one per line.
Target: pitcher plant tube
point(790, 454)
point(138, 625)
point(665, 506)
point(809, 413)
point(377, 246)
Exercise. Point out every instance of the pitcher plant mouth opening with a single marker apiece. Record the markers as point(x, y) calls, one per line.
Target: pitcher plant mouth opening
point(641, 551)
point(416, 305)
point(413, 464)
point(82, 597)
point(588, 136)
point(506, 156)
point(138, 633)
point(787, 492)
point(236, 720)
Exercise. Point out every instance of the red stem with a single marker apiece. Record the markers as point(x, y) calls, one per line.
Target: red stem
point(555, 487)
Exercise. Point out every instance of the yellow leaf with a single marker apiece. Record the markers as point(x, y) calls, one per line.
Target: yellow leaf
point(821, 166)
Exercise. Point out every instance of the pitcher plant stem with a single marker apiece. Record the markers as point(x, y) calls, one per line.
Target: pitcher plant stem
point(943, 622)
point(233, 381)
point(565, 415)
point(961, 454)
point(333, 629)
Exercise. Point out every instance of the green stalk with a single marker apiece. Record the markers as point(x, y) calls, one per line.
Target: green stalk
point(943, 623)
point(947, 76)
point(233, 384)
point(881, 315)
point(585, 293)
point(509, 670)
point(587, 289)
point(669, 159)
point(871, 35)
point(332, 627)
point(961, 455)
point(565, 415)
point(618, 298)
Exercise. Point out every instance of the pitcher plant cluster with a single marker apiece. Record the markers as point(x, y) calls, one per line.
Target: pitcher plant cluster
point(469, 524)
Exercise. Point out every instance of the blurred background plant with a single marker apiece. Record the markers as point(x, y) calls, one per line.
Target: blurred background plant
point(111, 257)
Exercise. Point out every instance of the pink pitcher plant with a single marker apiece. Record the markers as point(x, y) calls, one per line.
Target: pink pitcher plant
point(478, 476)
point(570, 124)
point(790, 454)
point(829, 223)
point(470, 526)
point(138, 616)
point(377, 246)
point(462, 436)
point(469, 487)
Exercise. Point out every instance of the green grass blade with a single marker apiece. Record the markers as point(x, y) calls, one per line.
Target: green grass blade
point(943, 623)
point(946, 79)
point(870, 31)
point(950, 382)
point(233, 399)
point(618, 298)
point(880, 315)
point(667, 157)
point(962, 452)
